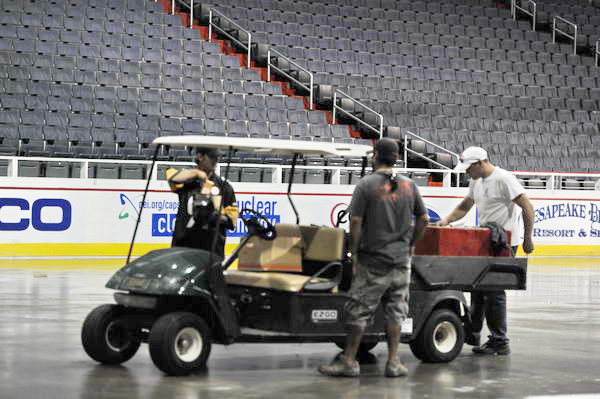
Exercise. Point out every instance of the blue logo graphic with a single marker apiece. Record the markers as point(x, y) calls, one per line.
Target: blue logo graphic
point(433, 215)
point(36, 214)
point(268, 209)
point(127, 203)
point(163, 224)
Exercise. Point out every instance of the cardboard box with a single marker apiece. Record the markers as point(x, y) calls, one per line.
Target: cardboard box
point(451, 241)
point(281, 254)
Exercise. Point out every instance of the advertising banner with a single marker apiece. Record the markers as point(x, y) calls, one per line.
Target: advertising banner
point(100, 217)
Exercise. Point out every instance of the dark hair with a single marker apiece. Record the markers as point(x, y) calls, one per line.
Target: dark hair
point(387, 151)
point(212, 153)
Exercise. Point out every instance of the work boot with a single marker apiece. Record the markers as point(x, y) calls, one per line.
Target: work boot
point(339, 368)
point(395, 368)
point(492, 348)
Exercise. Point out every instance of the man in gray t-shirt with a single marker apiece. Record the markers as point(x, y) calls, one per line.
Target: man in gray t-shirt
point(387, 230)
point(383, 208)
point(497, 194)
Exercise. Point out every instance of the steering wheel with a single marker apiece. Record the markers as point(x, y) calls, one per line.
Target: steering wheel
point(258, 225)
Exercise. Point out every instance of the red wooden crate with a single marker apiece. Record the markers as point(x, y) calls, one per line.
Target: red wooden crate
point(451, 241)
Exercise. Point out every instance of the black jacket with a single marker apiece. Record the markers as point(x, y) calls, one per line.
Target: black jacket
point(201, 235)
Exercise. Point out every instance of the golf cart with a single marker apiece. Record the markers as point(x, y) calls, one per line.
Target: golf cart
point(289, 287)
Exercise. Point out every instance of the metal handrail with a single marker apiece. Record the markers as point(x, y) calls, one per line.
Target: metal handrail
point(597, 51)
point(287, 75)
point(572, 37)
point(245, 46)
point(411, 151)
point(337, 107)
point(532, 14)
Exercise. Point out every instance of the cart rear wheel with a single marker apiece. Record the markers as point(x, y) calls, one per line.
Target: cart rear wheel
point(180, 343)
point(105, 337)
point(441, 338)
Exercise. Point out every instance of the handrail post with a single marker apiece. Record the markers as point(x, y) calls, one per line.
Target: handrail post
point(334, 106)
point(269, 65)
point(210, 22)
point(172, 7)
point(554, 30)
point(191, 14)
point(249, 49)
point(575, 41)
point(311, 92)
point(405, 151)
point(380, 127)
point(534, 15)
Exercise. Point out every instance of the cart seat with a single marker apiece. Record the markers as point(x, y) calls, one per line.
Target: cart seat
point(300, 249)
point(279, 281)
point(284, 253)
point(322, 244)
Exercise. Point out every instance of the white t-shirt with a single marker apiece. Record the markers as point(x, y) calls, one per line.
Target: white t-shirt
point(493, 197)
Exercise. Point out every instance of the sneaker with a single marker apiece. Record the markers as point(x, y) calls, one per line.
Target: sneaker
point(491, 348)
point(395, 369)
point(339, 368)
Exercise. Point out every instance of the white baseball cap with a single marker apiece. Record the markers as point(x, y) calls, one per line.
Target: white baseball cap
point(470, 156)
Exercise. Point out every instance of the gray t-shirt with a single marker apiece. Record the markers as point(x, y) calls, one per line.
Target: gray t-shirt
point(388, 218)
point(493, 197)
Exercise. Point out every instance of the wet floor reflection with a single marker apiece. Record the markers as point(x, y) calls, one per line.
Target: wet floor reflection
point(554, 327)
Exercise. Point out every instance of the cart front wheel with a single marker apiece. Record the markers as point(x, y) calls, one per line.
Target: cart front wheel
point(180, 343)
point(441, 338)
point(105, 337)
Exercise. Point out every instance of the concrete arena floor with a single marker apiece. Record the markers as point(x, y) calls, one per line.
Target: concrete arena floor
point(554, 327)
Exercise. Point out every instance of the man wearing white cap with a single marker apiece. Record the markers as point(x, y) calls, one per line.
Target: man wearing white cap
point(496, 193)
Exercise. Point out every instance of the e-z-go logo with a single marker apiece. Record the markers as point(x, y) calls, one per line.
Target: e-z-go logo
point(339, 215)
point(23, 214)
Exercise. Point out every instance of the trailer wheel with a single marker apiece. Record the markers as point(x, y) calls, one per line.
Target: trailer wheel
point(105, 338)
point(180, 343)
point(441, 338)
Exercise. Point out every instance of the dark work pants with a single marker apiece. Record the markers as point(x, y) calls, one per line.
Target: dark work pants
point(492, 307)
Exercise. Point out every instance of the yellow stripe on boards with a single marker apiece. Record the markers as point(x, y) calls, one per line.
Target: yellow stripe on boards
point(563, 250)
point(92, 249)
point(57, 256)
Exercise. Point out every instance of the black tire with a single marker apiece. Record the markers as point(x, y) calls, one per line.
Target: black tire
point(364, 346)
point(104, 337)
point(441, 339)
point(168, 336)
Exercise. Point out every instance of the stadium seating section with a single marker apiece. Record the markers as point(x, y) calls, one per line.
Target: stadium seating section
point(101, 79)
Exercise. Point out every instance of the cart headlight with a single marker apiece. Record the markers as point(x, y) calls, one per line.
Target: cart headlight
point(116, 279)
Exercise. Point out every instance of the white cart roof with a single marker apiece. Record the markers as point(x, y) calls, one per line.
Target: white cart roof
point(267, 146)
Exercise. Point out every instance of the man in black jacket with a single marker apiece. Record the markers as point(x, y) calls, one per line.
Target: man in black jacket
point(189, 184)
